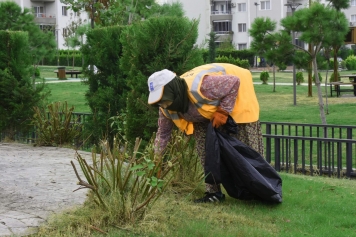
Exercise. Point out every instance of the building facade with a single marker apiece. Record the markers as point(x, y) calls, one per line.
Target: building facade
point(54, 16)
point(232, 19)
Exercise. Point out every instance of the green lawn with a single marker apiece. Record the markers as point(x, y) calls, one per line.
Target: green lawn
point(72, 92)
point(274, 106)
point(312, 206)
point(278, 106)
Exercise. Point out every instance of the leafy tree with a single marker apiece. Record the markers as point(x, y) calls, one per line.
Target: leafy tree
point(74, 38)
point(336, 44)
point(114, 12)
point(317, 26)
point(41, 43)
point(274, 46)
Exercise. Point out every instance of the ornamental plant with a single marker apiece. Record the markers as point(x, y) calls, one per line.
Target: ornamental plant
point(320, 78)
point(332, 78)
point(56, 125)
point(264, 77)
point(299, 78)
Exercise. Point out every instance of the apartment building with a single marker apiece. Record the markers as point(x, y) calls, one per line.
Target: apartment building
point(52, 15)
point(231, 19)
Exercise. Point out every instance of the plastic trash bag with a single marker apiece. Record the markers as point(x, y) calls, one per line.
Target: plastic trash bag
point(243, 172)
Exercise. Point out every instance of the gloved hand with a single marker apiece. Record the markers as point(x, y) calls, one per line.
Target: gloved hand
point(219, 117)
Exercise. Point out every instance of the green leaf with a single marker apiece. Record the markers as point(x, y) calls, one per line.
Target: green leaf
point(136, 167)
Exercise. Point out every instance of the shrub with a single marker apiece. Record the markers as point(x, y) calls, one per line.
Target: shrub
point(245, 54)
point(332, 79)
point(128, 182)
point(281, 66)
point(231, 60)
point(55, 125)
point(264, 77)
point(37, 72)
point(350, 62)
point(299, 77)
point(320, 78)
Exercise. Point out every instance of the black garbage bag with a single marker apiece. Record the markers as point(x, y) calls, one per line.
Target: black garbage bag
point(243, 172)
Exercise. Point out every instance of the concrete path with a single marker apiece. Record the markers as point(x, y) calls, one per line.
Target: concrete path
point(34, 183)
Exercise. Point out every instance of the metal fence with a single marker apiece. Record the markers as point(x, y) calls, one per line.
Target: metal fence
point(309, 149)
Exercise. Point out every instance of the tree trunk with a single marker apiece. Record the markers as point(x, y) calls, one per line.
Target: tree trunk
point(274, 77)
point(310, 69)
point(320, 97)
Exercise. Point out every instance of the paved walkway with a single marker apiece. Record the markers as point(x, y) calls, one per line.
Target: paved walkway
point(34, 183)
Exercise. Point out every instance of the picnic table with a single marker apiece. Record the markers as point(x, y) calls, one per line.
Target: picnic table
point(340, 86)
point(70, 72)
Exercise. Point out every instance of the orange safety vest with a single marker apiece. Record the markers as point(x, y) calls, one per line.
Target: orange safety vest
point(246, 109)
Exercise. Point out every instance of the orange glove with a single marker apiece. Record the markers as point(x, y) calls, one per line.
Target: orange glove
point(219, 117)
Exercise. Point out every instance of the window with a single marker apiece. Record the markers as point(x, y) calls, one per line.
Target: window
point(222, 27)
point(65, 32)
point(242, 27)
point(77, 14)
point(38, 11)
point(353, 18)
point(266, 5)
point(300, 43)
point(242, 7)
point(353, 3)
point(242, 46)
point(64, 10)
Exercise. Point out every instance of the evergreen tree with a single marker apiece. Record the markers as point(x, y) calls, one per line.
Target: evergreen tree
point(150, 46)
point(18, 96)
point(212, 47)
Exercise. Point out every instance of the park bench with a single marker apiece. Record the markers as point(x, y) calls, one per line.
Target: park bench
point(70, 72)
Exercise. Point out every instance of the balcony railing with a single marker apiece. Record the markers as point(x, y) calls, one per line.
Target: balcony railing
point(220, 12)
point(44, 15)
point(224, 32)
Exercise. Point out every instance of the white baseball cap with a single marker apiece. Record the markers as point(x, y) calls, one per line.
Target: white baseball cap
point(156, 82)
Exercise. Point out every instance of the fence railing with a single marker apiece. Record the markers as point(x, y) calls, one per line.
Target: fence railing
point(309, 149)
point(312, 149)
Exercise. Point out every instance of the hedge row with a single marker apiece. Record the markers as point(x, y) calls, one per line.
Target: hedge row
point(63, 60)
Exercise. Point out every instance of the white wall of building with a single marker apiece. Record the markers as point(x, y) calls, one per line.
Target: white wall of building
point(277, 11)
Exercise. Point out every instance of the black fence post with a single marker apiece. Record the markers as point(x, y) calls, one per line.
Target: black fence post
point(348, 153)
point(268, 143)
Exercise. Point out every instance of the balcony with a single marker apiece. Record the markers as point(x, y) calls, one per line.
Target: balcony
point(45, 18)
point(220, 10)
point(223, 36)
point(221, 17)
